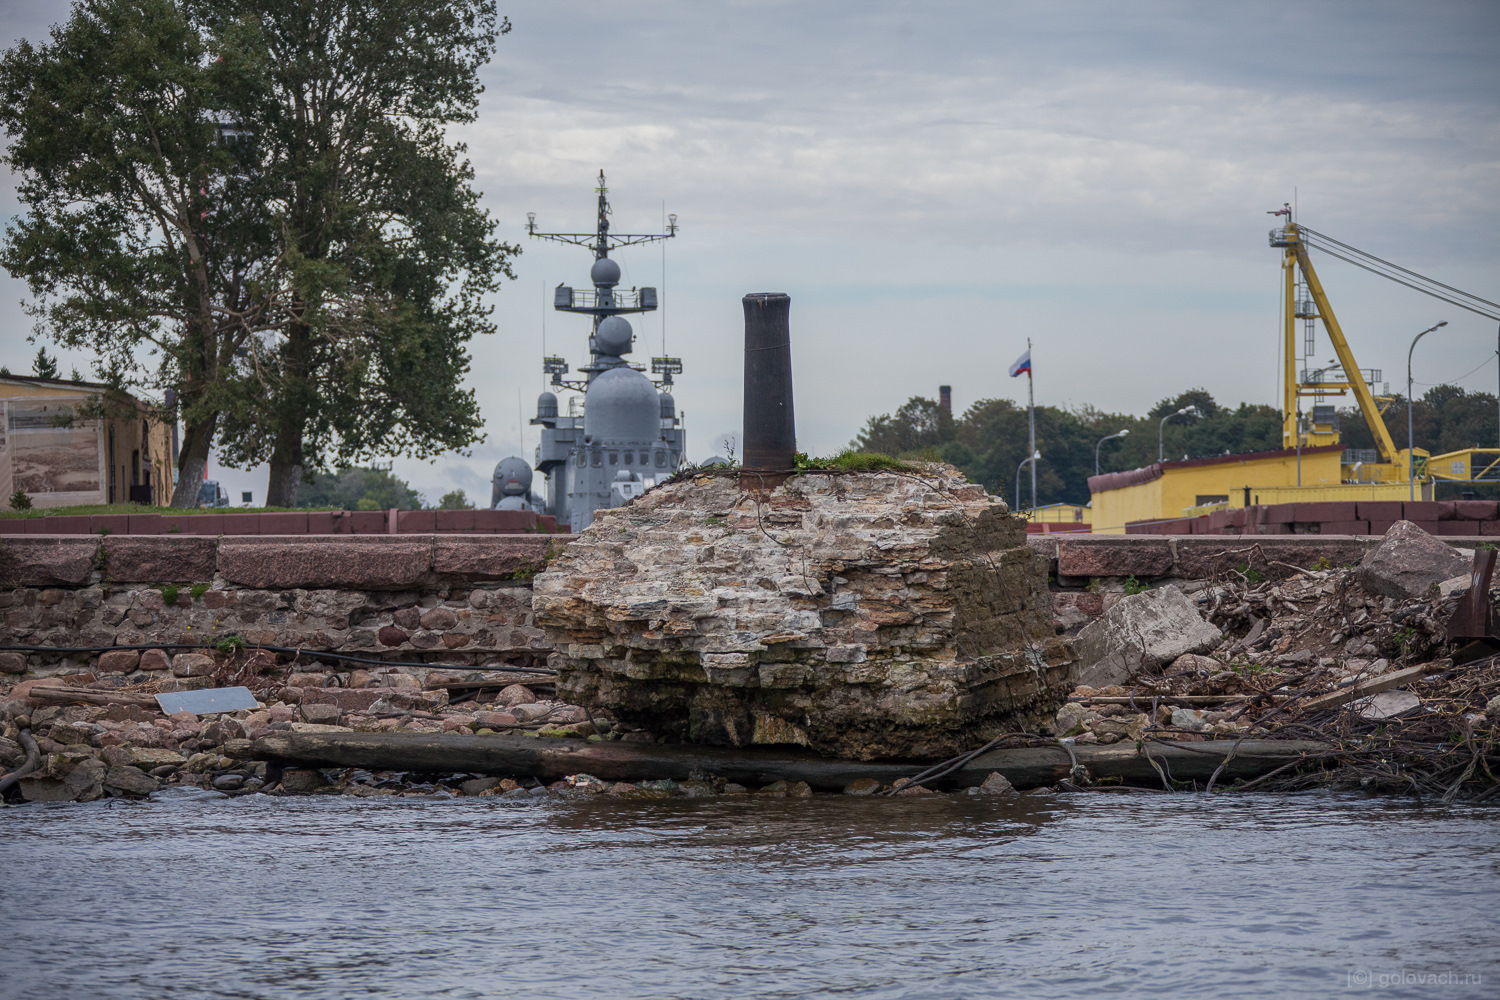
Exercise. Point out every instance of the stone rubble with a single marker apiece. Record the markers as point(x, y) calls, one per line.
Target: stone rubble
point(863, 615)
point(1282, 642)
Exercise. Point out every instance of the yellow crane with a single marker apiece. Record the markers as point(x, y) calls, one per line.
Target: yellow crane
point(1304, 299)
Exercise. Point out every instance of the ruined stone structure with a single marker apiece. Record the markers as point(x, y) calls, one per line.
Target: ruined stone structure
point(860, 614)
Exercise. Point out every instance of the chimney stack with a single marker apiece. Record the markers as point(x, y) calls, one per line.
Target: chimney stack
point(945, 398)
point(770, 437)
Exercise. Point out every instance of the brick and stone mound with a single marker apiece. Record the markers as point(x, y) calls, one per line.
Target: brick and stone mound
point(864, 615)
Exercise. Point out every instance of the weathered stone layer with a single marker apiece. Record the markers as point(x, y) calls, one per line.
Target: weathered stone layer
point(860, 614)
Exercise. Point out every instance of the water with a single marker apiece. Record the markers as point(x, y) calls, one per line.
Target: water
point(1065, 896)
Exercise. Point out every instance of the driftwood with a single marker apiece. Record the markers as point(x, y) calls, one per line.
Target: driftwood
point(1374, 685)
point(494, 682)
point(552, 758)
point(1164, 699)
point(92, 696)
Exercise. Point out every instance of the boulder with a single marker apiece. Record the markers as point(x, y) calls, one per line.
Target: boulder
point(85, 783)
point(192, 665)
point(994, 783)
point(130, 781)
point(1408, 563)
point(1141, 633)
point(12, 663)
point(515, 694)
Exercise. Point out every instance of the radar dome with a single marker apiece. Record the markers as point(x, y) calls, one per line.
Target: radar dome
point(614, 336)
point(668, 406)
point(620, 407)
point(546, 405)
point(512, 477)
point(605, 272)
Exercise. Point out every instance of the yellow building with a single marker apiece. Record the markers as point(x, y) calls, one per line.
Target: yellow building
point(1166, 490)
point(66, 443)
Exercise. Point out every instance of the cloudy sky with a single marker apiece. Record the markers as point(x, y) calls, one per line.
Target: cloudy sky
point(933, 183)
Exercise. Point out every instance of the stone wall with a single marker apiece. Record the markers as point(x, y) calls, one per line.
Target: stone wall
point(452, 600)
point(860, 614)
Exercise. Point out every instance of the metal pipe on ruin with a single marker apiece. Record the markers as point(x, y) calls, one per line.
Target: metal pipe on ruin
point(770, 433)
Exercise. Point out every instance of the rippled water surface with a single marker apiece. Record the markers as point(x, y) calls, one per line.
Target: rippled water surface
point(1067, 896)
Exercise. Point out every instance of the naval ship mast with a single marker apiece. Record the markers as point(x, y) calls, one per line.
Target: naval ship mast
point(629, 431)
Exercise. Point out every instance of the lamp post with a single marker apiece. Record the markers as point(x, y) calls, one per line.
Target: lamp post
point(1111, 437)
point(1161, 450)
point(1411, 464)
point(1034, 456)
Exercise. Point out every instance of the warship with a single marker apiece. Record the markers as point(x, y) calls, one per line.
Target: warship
point(621, 432)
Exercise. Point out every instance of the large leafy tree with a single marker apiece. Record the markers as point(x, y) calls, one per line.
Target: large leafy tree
point(117, 141)
point(387, 252)
point(261, 194)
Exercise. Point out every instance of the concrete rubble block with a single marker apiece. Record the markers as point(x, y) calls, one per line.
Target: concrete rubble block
point(160, 558)
point(859, 614)
point(1408, 563)
point(43, 561)
point(357, 562)
point(1114, 555)
point(1142, 632)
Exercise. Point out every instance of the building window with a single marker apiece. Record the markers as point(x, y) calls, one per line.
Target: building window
point(630, 458)
point(1208, 498)
point(614, 458)
point(661, 459)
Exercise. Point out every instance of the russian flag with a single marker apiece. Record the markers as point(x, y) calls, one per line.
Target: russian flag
point(1022, 365)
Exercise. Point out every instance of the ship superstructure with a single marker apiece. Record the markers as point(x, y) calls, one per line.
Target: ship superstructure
point(624, 434)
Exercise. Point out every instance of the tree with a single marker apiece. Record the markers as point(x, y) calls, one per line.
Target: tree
point(388, 252)
point(359, 489)
point(917, 425)
point(115, 136)
point(260, 197)
point(455, 500)
point(42, 365)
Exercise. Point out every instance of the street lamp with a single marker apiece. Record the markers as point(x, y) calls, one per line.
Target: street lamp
point(1034, 456)
point(1118, 434)
point(1411, 464)
point(1161, 451)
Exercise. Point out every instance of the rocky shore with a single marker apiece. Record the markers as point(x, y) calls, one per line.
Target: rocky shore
point(1358, 657)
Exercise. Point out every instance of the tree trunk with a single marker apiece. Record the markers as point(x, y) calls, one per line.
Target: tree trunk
point(289, 419)
point(550, 759)
point(192, 461)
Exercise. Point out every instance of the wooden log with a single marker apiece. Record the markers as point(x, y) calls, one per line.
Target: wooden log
point(91, 696)
point(494, 682)
point(1144, 701)
point(550, 759)
point(1374, 685)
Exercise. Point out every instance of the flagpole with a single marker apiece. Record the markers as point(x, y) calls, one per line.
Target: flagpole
point(1031, 419)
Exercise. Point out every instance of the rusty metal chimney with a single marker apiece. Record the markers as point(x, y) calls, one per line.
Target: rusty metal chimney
point(945, 398)
point(770, 431)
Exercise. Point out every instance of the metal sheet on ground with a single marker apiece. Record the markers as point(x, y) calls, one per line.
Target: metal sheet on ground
point(207, 701)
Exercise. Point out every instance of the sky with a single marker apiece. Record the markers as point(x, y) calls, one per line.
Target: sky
point(935, 183)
